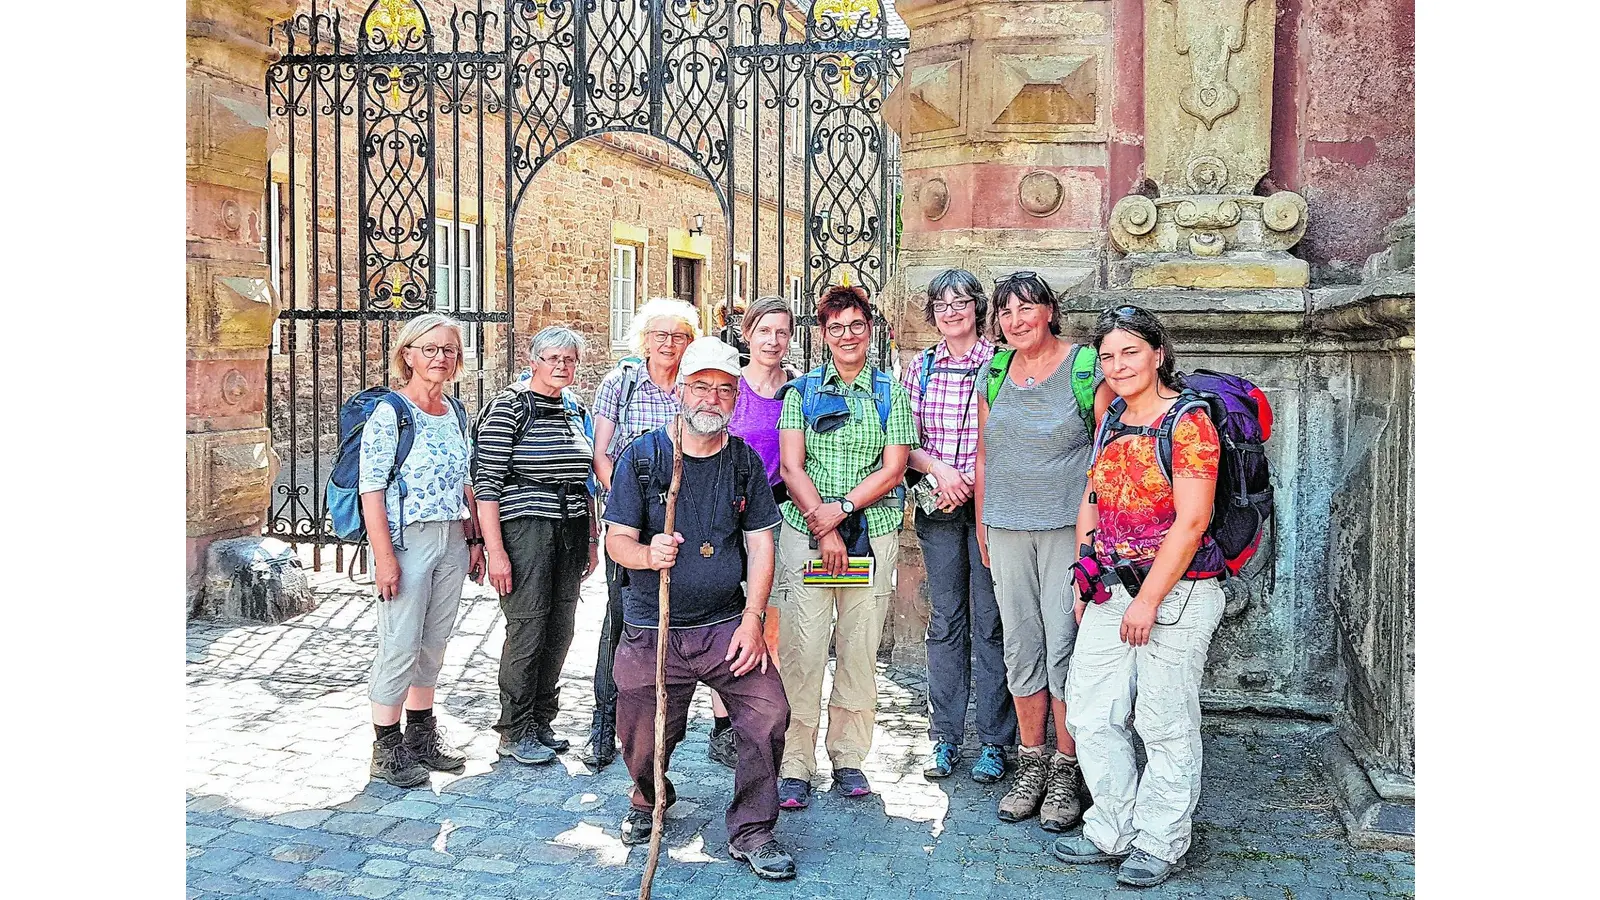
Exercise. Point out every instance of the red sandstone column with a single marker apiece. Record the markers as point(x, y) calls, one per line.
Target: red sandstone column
point(230, 308)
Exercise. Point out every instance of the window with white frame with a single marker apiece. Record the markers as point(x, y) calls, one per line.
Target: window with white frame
point(738, 284)
point(795, 132)
point(795, 307)
point(455, 273)
point(624, 288)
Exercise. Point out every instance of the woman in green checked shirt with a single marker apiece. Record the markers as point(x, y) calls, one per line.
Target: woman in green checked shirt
point(841, 480)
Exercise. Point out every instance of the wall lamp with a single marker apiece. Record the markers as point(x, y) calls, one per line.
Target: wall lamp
point(699, 224)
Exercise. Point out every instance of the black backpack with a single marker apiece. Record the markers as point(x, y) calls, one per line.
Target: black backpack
point(654, 473)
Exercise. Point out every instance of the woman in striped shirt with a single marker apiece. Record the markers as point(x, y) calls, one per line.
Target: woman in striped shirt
point(530, 470)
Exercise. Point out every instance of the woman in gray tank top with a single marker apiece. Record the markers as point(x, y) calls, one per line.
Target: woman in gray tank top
point(1034, 452)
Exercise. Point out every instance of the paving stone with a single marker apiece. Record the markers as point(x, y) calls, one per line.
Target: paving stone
point(484, 864)
point(428, 857)
point(302, 818)
point(218, 861)
point(386, 868)
point(409, 809)
point(198, 835)
point(297, 853)
point(324, 880)
point(414, 833)
point(359, 824)
point(269, 870)
point(221, 884)
point(374, 888)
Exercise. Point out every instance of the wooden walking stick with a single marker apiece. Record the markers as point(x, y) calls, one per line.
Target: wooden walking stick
point(663, 599)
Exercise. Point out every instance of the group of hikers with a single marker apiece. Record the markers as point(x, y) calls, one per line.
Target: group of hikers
point(1063, 496)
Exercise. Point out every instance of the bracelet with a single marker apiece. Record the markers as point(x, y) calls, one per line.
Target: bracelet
point(751, 612)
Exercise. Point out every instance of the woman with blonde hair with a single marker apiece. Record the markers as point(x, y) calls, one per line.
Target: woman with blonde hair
point(635, 397)
point(420, 565)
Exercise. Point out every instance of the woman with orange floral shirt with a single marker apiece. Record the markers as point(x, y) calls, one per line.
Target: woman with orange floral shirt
point(1145, 647)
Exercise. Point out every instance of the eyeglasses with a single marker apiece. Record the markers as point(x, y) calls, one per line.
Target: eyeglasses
point(856, 328)
point(700, 390)
point(429, 351)
point(961, 305)
point(677, 338)
point(555, 362)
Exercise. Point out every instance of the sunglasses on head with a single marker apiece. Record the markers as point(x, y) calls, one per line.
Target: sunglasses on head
point(1017, 276)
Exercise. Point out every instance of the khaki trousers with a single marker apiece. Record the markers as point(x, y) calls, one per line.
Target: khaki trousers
point(853, 618)
point(1159, 685)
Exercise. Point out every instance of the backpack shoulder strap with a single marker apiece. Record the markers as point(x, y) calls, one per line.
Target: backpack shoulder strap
point(405, 430)
point(1083, 357)
point(883, 393)
point(741, 471)
point(1187, 400)
point(927, 370)
point(998, 367)
point(461, 417)
point(630, 384)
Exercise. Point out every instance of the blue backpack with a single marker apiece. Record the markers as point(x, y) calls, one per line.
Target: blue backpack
point(824, 408)
point(343, 493)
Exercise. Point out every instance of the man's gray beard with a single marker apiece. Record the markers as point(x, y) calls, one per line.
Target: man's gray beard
point(707, 422)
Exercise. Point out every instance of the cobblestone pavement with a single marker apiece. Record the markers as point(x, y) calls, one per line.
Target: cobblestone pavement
point(279, 804)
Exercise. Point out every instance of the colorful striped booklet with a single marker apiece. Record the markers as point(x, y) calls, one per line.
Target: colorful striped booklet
point(858, 574)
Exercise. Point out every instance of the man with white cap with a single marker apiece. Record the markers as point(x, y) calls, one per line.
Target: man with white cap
point(724, 528)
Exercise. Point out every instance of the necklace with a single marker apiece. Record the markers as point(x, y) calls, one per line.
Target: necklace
point(707, 549)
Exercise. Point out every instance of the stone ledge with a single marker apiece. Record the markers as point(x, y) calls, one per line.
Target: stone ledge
point(1372, 822)
point(1384, 309)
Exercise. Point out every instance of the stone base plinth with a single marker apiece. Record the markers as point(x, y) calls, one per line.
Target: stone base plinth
point(1374, 821)
point(254, 578)
point(1268, 269)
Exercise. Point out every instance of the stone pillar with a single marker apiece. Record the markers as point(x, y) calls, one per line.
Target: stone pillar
point(1198, 223)
point(230, 307)
point(1005, 124)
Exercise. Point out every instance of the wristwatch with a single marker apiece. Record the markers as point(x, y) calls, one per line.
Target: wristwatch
point(847, 506)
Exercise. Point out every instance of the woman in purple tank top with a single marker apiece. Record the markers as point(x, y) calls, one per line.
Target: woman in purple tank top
point(767, 327)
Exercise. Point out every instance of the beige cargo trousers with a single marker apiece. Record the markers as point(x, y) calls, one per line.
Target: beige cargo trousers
point(1159, 685)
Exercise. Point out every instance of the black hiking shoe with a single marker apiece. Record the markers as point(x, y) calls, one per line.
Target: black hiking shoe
point(392, 762)
point(601, 749)
point(722, 748)
point(426, 741)
point(769, 861)
point(544, 734)
point(636, 826)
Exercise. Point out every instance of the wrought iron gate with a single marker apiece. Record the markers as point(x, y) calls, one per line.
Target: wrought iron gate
point(410, 132)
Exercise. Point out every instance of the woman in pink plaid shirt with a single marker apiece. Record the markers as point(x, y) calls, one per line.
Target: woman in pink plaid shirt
point(964, 637)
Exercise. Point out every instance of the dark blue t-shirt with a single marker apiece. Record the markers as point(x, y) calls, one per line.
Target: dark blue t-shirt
point(705, 589)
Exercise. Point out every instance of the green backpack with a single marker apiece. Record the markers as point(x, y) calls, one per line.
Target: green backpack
point(1083, 358)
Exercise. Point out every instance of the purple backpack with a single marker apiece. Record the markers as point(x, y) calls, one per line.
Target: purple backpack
point(1243, 419)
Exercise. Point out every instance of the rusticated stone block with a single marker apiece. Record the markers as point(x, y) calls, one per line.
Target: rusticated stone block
point(227, 393)
point(228, 477)
point(1252, 270)
point(230, 306)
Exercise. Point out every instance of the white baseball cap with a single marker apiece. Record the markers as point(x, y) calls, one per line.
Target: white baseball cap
point(708, 353)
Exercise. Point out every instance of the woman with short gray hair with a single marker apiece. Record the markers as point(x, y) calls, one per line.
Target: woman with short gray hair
point(530, 471)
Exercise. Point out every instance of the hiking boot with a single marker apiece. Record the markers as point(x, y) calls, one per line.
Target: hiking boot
point(794, 793)
point(769, 861)
point(991, 764)
point(544, 734)
point(1141, 869)
point(723, 748)
point(392, 762)
point(1027, 791)
point(426, 741)
point(636, 826)
point(851, 783)
point(945, 757)
point(602, 746)
point(1061, 808)
point(525, 750)
point(1075, 848)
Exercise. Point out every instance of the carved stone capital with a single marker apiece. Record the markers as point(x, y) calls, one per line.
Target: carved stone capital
point(1208, 225)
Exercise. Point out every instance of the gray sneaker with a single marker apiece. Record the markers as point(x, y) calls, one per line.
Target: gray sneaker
point(769, 861)
point(527, 750)
point(1075, 848)
point(1143, 870)
point(1061, 808)
point(392, 762)
point(1027, 791)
